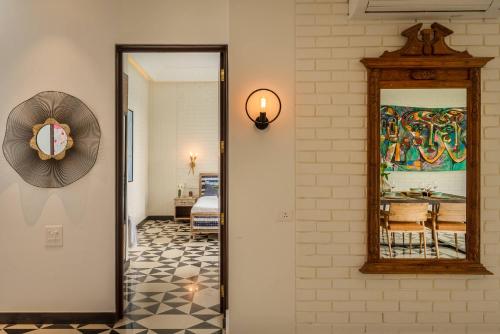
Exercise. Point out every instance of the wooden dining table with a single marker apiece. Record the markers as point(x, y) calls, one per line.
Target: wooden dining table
point(405, 197)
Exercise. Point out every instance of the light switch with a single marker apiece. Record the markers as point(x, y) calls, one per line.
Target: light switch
point(54, 235)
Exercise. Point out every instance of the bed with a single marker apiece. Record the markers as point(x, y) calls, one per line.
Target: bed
point(205, 214)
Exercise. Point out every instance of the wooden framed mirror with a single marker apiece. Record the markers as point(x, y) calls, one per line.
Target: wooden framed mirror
point(424, 134)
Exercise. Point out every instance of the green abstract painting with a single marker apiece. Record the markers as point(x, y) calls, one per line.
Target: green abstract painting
point(423, 139)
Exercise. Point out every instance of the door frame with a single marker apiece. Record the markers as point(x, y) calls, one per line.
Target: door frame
point(120, 163)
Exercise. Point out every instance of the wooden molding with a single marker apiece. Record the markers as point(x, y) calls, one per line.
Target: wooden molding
point(430, 266)
point(425, 62)
point(426, 42)
point(120, 108)
point(426, 48)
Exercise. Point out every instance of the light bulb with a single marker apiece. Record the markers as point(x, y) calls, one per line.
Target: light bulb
point(263, 103)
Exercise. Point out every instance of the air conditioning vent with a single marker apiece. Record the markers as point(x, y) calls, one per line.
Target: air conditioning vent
point(424, 8)
point(398, 6)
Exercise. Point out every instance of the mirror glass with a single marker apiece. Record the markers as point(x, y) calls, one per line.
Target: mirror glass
point(52, 139)
point(423, 139)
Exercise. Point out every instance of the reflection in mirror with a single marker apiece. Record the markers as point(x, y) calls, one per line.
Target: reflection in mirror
point(423, 139)
point(51, 139)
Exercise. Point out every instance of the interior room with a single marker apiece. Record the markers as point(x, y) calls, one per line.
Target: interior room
point(172, 191)
point(423, 160)
point(355, 145)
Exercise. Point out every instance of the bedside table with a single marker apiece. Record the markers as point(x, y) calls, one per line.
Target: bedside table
point(183, 207)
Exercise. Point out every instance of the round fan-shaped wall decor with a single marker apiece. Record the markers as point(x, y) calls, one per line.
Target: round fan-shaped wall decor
point(51, 140)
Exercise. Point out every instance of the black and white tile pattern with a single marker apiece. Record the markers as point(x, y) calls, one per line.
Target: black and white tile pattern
point(401, 249)
point(171, 287)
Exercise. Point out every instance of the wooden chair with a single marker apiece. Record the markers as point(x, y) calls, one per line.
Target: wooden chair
point(450, 217)
point(405, 217)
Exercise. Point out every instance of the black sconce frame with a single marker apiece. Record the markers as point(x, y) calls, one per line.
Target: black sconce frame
point(262, 122)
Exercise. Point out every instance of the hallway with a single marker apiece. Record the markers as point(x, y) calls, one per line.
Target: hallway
point(173, 281)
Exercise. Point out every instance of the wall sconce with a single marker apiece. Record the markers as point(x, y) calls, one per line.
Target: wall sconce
point(261, 105)
point(192, 162)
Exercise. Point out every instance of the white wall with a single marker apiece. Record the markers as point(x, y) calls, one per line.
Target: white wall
point(52, 47)
point(69, 46)
point(261, 169)
point(162, 150)
point(197, 131)
point(184, 119)
point(425, 98)
point(138, 102)
point(448, 182)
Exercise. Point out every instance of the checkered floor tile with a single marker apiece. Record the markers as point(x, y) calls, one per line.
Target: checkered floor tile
point(401, 247)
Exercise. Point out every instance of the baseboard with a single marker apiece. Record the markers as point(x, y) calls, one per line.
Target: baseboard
point(58, 318)
point(163, 218)
point(160, 218)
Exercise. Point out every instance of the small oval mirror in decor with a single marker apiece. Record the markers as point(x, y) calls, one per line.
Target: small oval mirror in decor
point(51, 140)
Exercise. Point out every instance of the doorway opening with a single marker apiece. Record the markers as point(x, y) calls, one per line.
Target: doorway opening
point(171, 190)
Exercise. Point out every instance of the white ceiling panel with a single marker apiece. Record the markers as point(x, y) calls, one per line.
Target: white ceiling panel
point(178, 66)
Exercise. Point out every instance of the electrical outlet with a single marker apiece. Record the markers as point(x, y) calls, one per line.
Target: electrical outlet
point(53, 235)
point(285, 216)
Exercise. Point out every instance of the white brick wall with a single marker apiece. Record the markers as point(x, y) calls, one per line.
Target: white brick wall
point(332, 296)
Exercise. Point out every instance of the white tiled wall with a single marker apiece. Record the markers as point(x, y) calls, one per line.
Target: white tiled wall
point(332, 295)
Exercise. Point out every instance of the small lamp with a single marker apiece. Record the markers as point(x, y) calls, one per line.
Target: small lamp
point(192, 162)
point(266, 103)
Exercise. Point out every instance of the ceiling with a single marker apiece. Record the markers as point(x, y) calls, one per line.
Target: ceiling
point(178, 66)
